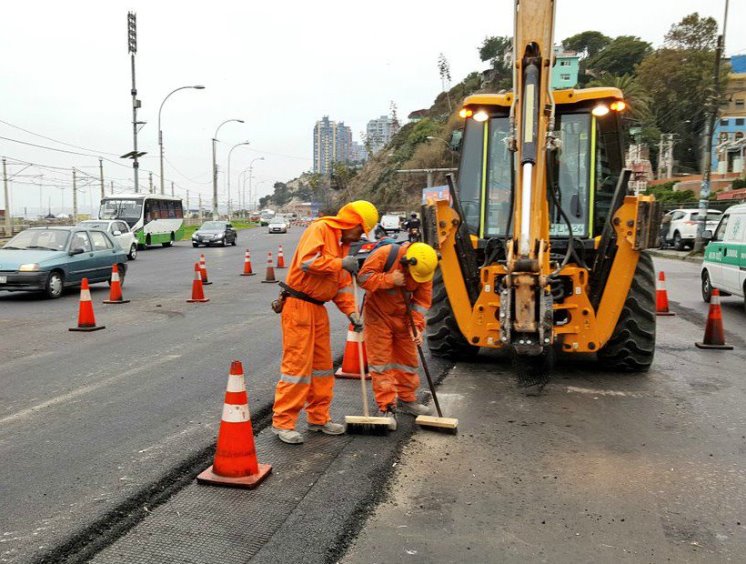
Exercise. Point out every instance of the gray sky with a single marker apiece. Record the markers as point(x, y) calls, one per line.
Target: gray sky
point(280, 66)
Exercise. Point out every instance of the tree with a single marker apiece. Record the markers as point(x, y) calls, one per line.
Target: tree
point(445, 77)
point(693, 32)
point(282, 194)
point(497, 51)
point(586, 43)
point(619, 57)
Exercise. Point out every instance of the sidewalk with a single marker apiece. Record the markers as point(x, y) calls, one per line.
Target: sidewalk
point(673, 255)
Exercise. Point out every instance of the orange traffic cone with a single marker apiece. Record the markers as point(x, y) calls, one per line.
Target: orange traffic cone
point(270, 278)
point(350, 361)
point(280, 258)
point(86, 319)
point(661, 296)
point(714, 334)
point(198, 293)
point(247, 265)
point(235, 462)
point(203, 270)
point(115, 293)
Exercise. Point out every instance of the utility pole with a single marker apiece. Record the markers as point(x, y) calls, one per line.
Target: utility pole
point(172, 188)
point(75, 198)
point(112, 187)
point(132, 49)
point(101, 174)
point(150, 181)
point(704, 192)
point(187, 202)
point(660, 158)
point(8, 220)
point(200, 207)
point(669, 156)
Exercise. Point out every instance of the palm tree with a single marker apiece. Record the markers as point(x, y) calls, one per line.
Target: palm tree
point(637, 98)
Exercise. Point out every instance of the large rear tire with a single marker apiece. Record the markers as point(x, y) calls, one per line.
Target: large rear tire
point(631, 347)
point(444, 337)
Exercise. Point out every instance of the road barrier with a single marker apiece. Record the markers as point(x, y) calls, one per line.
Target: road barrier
point(270, 277)
point(115, 292)
point(86, 318)
point(661, 296)
point(714, 333)
point(247, 271)
point(203, 270)
point(280, 258)
point(198, 293)
point(235, 464)
point(351, 361)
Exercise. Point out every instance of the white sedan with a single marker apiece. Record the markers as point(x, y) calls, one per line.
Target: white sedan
point(118, 230)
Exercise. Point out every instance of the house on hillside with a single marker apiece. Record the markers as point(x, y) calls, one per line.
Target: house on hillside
point(729, 134)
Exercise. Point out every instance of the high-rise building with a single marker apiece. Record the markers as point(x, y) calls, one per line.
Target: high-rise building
point(379, 132)
point(332, 143)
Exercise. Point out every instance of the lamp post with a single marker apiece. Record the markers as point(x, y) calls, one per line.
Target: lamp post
point(251, 172)
point(215, 213)
point(160, 132)
point(228, 174)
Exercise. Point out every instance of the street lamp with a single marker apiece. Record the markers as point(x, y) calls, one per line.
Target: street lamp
point(215, 213)
point(228, 174)
point(251, 172)
point(160, 133)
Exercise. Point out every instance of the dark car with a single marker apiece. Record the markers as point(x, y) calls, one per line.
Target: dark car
point(49, 259)
point(215, 233)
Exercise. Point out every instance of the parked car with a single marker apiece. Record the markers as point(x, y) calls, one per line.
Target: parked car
point(215, 233)
point(117, 230)
point(682, 228)
point(278, 224)
point(391, 223)
point(724, 264)
point(50, 259)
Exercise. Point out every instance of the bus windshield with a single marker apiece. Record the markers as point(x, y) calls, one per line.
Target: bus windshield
point(127, 210)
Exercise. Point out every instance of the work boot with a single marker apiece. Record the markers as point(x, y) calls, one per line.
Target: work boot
point(327, 428)
point(390, 413)
point(414, 408)
point(289, 436)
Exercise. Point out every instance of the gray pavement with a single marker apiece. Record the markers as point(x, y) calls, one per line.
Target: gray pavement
point(600, 468)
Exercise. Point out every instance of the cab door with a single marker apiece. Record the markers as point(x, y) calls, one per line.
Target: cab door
point(733, 244)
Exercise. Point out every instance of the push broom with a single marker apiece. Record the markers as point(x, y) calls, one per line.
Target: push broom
point(439, 423)
point(365, 424)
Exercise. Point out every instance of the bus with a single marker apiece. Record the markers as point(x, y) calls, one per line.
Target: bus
point(153, 218)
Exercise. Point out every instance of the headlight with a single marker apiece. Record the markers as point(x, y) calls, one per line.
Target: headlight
point(28, 268)
point(218, 236)
point(195, 236)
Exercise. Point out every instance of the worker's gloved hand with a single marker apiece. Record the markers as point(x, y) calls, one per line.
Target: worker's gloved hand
point(357, 322)
point(397, 277)
point(417, 338)
point(350, 264)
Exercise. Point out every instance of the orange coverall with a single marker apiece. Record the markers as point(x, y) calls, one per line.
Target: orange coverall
point(316, 269)
point(392, 355)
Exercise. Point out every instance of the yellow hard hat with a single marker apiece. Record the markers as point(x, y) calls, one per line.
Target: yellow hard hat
point(367, 212)
point(423, 260)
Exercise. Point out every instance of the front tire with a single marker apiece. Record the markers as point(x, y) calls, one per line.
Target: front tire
point(55, 285)
point(444, 337)
point(631, 347)
point(678, 243)
point(706, 287)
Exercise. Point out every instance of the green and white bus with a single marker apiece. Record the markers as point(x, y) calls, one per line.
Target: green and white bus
point(154, 219)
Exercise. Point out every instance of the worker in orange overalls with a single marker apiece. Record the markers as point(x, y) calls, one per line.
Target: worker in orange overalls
point(319, 271)
point(391, 346)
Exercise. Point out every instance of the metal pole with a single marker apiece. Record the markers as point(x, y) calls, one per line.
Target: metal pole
point(200, 206)
point(704, 193)
point(8, 220)
point(228, 175)
point(150, 182)
point(135, 105)
point(172, 188)
point(101, 174)
point(215, 213)
point(160, 132)
point(669, 156)
point(75, 198)
point(187, 202)
point(112, 187)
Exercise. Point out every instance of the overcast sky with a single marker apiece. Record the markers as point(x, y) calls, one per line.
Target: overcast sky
point(279, 66)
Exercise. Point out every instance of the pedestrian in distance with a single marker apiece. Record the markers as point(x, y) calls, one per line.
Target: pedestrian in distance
point(320, 271)
point(396, 277)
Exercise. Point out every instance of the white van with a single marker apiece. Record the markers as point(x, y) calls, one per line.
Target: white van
point(724, 265)
point(391, 223)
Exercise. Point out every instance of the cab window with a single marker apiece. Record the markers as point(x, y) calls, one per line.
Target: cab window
point(720, 231)
point(499, 178)
point(470, 173)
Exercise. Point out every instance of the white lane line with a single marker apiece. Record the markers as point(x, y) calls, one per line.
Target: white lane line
point(594, 392)
point(87, 389)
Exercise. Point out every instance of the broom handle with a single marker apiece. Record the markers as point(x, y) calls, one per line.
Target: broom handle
point(422, 355)
point(360, 361)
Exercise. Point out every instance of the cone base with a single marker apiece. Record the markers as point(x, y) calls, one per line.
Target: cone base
point(665, 313)
point(280, 267)
point(87, 329)
point(115, 302)
point(248, 274)
point(198, 301)
point(247, 482)
point(350, 375)
point(723, 347)
point(270, 281)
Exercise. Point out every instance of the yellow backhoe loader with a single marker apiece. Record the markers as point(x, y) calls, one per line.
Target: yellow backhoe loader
point(541, 240)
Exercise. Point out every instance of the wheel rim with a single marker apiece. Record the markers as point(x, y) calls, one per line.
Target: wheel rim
point(706, 290)
point(133, 251)
point(55, 285)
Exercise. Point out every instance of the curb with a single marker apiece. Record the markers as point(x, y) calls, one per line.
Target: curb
point(666, 255)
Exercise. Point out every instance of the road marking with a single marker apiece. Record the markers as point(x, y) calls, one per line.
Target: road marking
point(87, 389)
point(594, 392)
